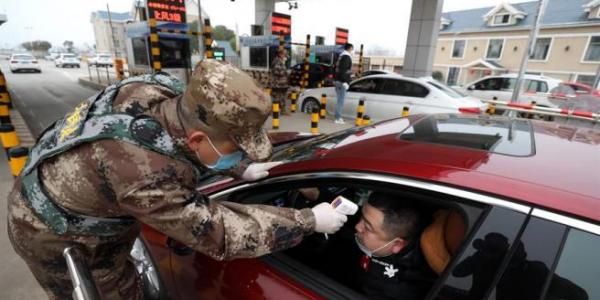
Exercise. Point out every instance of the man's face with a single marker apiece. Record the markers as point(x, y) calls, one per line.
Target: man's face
point(370, 233)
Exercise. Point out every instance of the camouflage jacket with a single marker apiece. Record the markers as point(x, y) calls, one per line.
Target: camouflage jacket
point(279, 78)
point(111, 178)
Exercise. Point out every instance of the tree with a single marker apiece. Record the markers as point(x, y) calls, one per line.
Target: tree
point(41, 46)
point(221, 32)
point(68, 46)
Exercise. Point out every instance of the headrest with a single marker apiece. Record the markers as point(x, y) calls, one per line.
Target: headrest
point(441, 239)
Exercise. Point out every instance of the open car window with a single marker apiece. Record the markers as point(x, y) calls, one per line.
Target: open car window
point(337, 257)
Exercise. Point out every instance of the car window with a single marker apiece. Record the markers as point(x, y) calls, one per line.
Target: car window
point(337, 256)
point(368, 85)
point(578, 268)
point(530, 267)
point(23, 57)
point(473, 273)
point(446, 90)
point(490, 84)
point(405, 88)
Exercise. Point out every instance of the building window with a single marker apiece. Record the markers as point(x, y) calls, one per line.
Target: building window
point(140, 51)
point(586, 79)
point(494, 50)
point(501, 19)
point(541, 49)
point(453, 76)
point(593, 49)
point(458, 50)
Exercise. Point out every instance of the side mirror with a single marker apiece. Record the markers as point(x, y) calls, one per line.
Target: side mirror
point(470, 88)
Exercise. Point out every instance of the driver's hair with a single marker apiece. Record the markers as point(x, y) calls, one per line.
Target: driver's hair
point(399, 219)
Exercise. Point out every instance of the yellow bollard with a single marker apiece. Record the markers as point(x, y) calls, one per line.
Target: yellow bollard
point(491, 109)
point(8, 136)
point(314, 124)
point(275, 115)
point(267, 91)
point(530, 115)
point(366, 120)
point(16, 159)
point(119, 69)
point(323, 106)
point(4, 95)
point(360, 111)
point(293, 98)
point(4, 114)
point(405, 111)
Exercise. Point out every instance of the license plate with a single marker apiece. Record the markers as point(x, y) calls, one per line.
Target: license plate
point(24, 62)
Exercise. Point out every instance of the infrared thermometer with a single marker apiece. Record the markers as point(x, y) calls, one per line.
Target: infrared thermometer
point(343, 206)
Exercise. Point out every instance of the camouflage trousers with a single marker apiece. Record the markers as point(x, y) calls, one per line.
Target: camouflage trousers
point(107, 257)
point(280, 95)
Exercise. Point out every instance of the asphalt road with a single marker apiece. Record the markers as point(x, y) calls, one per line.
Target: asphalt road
point(44, 97)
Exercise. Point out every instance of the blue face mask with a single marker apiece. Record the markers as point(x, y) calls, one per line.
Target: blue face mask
point(225, 161)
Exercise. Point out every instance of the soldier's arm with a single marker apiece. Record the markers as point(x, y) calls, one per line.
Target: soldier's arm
point(221, 230)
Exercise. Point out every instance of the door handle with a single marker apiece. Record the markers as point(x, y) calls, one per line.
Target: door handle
point(179, 248)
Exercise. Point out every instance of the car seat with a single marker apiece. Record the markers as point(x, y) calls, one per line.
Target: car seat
point(442, 238)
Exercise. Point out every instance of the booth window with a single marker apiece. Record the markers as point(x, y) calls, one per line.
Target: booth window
point(140, 52)
point(172, 53)
point(258, 57)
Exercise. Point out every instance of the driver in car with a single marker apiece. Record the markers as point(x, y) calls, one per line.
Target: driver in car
point(391, 265)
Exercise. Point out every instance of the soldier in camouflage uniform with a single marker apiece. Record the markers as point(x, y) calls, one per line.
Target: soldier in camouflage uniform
point(279, 80)
point(133, 154)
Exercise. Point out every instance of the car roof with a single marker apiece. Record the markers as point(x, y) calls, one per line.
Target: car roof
point(527, 76)
point(560, 174)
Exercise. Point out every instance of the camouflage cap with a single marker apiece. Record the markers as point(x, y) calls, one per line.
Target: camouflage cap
point(225, 102)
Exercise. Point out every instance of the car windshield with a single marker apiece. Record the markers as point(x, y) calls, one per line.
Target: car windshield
point(446, 90)
point(23, 57)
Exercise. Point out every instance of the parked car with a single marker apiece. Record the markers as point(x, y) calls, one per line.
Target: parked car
point(535, 88)
point(580, 88)
point(519, 224)
point(24, 62)
point(317, 73)
point(100, 60)
point(67, 60)
point(387, 95)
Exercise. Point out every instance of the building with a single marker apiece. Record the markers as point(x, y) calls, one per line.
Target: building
point(104, 35)
point(478, 42)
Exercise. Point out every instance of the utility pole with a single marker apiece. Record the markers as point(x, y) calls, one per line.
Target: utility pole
point(200, 29)
point(112, 33)
point(530, 46)
point(596, 80)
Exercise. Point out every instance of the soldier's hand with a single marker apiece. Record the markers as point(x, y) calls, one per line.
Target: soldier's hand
point(256, 171)
point(327, 220)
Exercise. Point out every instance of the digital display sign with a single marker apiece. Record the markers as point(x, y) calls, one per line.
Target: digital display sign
point(167, 10)
point(341, 36)
point(281, 23)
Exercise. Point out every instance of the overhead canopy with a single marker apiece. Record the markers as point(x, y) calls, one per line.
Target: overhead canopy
point(485, 64)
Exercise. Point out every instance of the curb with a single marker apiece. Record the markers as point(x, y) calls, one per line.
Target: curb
point(26, 139)
point(91, 84)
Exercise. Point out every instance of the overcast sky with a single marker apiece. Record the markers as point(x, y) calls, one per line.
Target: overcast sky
point(374, 23)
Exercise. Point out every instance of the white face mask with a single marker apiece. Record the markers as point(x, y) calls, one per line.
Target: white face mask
point(365, 249)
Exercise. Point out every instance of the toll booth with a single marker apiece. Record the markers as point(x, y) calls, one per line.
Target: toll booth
point(257, 52)
point(326, 54)
point(174, 49)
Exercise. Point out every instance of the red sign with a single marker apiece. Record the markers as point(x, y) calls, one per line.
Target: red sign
point(341, 36)
point(281, 23)
point(167, 10)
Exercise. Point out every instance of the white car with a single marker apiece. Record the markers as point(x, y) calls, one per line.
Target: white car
point(67, 60)
point(386, 96)
point(100, 60)
point(535, 88)
point(24, 62)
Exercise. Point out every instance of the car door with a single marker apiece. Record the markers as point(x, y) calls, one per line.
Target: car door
point(367, 88)
point(317, 268)
point(397, 94)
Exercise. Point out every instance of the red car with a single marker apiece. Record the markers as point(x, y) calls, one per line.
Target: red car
point(522, 200)
point(580, 88)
